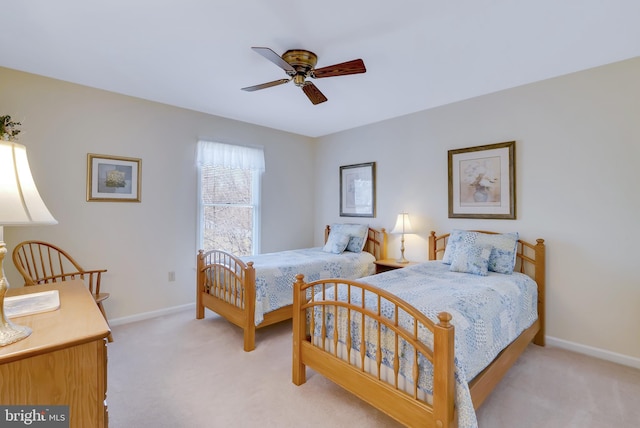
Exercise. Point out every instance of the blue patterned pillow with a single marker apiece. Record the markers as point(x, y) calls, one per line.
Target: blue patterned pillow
point(503, 248)
point(471, 258)
point(503, 253)
point(455, 237)
point(336, 243)
point(357, 235)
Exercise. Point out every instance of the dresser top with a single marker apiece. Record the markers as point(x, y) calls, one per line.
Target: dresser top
point(77, 321)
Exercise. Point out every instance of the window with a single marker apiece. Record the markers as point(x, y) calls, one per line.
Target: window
point(229, 197)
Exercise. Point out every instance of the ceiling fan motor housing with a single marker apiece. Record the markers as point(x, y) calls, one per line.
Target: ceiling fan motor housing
point(303, 61)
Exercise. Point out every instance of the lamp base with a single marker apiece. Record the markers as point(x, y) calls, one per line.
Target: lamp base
point(11, 333)
point(402, 260)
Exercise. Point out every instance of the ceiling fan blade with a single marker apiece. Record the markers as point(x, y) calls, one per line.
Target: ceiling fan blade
point(275, 58)
point(313, 93)
point(350, 67)
point(265, 85)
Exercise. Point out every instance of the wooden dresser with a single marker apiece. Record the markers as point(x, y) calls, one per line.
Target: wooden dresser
point(64, 360)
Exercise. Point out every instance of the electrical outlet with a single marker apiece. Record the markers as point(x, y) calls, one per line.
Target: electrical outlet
point(172, 276)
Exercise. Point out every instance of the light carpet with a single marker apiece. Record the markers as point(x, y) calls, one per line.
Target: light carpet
point(175, 371)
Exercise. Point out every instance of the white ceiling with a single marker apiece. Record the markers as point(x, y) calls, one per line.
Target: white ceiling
point(419, 54)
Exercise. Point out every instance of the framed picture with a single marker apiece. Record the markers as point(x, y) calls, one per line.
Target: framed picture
point(358, 190)
point(482, 182)
point(113, 178)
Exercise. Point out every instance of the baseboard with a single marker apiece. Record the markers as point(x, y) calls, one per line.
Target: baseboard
point(152, 314)
point(625, 360)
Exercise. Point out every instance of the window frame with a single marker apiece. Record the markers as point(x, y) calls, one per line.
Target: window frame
point(256, 192)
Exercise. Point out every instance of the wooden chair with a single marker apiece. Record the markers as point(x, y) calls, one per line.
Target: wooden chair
point(43, 263)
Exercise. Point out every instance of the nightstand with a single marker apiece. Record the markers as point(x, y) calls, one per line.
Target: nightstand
point(385, 265)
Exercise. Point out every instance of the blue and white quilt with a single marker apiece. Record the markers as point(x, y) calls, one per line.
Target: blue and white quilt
point(488, 312)
point(276, 273)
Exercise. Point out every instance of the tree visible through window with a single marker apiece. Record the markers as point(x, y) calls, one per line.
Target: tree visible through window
point(229, 200)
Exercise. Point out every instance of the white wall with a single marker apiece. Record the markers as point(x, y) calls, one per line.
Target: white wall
point(577, 174)
point(139, 243)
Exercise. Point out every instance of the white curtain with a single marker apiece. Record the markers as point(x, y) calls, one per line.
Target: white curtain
point(230, 156)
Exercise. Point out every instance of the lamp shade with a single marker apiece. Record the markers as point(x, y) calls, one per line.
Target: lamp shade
point(403, 225)
point(20, 202)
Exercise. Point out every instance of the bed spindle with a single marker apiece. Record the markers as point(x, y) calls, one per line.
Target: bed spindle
point(396, 352)
point(348, 323)
point(379, 339)
point(323, 325)
point(363, 333)
point(336, 321)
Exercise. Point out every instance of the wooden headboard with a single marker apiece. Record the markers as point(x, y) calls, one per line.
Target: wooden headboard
point(376, 243)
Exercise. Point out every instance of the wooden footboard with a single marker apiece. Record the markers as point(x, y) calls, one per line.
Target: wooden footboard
point(385, 389)
point(227, 286)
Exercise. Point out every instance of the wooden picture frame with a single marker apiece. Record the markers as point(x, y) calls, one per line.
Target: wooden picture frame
point(113, 178)
point(482, 182)
point(358, 190)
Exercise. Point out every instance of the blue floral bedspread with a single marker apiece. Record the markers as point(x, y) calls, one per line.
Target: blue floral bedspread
point(489, 312)
point(276, 273)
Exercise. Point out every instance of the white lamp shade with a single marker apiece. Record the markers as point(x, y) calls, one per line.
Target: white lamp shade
point(20, 202)
point(403, 225)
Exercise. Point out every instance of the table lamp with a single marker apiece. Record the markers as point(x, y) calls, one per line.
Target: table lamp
point(402, 226)
point(20, 204)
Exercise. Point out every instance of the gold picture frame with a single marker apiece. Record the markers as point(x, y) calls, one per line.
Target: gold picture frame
point(358, 190)
point(482, 182)
point(113, 178)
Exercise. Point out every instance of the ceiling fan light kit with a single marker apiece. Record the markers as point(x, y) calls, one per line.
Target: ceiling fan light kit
point(299, 64)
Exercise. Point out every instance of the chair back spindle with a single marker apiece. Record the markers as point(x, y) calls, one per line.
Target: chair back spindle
point(40, 262)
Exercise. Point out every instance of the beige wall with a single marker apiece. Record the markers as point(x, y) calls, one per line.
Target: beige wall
point(577, 166)
point(139, 243)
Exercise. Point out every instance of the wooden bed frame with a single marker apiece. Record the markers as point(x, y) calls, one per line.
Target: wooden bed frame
point(219, 270)
point(406, 407)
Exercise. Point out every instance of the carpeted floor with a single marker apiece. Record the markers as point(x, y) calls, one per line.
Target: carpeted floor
point(175, 371)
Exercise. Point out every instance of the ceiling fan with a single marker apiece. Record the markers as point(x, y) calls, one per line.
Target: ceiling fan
point(299, 65)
